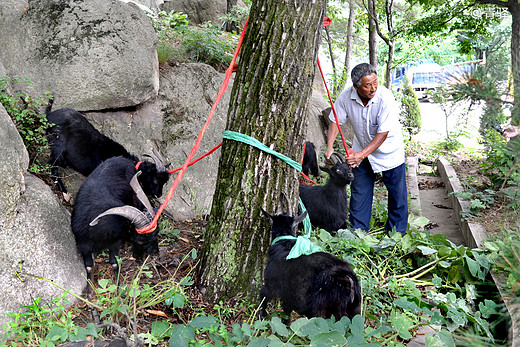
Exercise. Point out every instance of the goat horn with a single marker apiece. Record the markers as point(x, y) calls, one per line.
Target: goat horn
point(134, 183)
point(157, 158)
point(136, 216)
point(337, 158)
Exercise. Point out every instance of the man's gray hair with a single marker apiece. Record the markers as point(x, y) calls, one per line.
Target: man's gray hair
point(361, 70)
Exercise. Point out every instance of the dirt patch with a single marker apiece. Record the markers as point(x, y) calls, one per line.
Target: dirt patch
point(498, 216)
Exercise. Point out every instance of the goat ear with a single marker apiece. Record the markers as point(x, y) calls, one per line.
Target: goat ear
point(267, 214)
point(300, 218)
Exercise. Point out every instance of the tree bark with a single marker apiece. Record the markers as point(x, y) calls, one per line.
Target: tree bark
point(231, 26)
point(372, 36)
point(348, 47)
point(513, 7)
point(269, 101)
point(515, 57)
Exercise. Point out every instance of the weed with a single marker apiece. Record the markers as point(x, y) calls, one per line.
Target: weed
point(31, 125)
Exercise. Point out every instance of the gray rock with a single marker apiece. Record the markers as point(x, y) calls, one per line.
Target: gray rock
point(35, 232)
point(91, 55)
point(198, 11)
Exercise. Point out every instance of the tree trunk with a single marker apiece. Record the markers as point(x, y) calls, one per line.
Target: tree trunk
point(515, 57)
point(348, 47)
point(372, 37)
point(388, 72)
point(269, 102)
point(231, 26)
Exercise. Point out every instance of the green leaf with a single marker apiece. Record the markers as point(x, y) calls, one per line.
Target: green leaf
point(330, 339)
point(201, 322)
point(57, 334)
point(181, 335)
point(402, 325)
point(297, 326)
point(437, 281)
point(278, 327)
point(488, 308)
point(315, 326)
point(419, 222)
point(472, 265)
point(178, 301)
point(427, 250)
point(161, 329)
point(407, 305)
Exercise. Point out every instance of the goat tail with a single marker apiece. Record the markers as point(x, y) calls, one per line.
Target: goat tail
point(338, 294)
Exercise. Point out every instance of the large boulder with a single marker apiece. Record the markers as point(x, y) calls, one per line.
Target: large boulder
point(35, 234)
point(198, 11)
point(91, 54)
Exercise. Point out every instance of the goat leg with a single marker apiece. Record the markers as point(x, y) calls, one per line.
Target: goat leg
point(89, 262)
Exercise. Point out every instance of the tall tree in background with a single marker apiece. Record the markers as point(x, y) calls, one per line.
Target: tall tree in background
point(372, 36)
point(513, 6)
point(474, 18)
point(231, 26)
point(338, 87)
point(269, 102)
point(389, 39)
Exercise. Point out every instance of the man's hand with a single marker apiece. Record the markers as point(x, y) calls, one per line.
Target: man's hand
point(329, 152)
point(354, 159)
point(511, 130)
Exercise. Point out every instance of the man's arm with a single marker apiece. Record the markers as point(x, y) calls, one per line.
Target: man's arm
point(331, 137)
point(355, 158)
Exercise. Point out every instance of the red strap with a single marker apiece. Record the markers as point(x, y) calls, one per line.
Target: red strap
point(184, 167)
point(333, 110)
point(138, 164)
point(327, 21)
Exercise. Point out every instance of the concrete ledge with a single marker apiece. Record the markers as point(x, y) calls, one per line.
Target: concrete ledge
point(412, 167)
point(475, 235)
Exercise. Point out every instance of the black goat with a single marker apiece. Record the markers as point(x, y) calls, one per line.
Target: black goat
point(108, 202)
point(310, 160)
point(328, 205)
point(315, 285)
point(77, 144)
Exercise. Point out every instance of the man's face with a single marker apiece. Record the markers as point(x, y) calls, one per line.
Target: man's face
point(368, 86)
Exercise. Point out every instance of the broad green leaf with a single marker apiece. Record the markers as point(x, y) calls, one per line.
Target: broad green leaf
point(278, 327)
point(330, 339)
point(57, 334)
point(202, 322)
point(315, 326)
point(161, 329)
point(407, 305)
point(297, 326)
point(472, 265)
point(358, 325)
point(402, 325)
point(181, 335)
point(427, 250)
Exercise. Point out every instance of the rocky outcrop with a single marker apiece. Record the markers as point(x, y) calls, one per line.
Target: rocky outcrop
point(198, 11)
point(35, 232)
point(172, 123)
point(91, 54)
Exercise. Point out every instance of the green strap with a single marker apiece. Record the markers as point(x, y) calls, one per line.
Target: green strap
point(232, 135)
point(303, 245)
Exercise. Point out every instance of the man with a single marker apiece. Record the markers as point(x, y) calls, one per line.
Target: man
point(511, 130)
point(378, 147)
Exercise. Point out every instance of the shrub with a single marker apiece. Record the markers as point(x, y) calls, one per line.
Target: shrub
point(31, 125)
point(207, 45)
point(410, 111)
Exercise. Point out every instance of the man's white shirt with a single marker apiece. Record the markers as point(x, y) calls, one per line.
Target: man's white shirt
point(381, 114)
